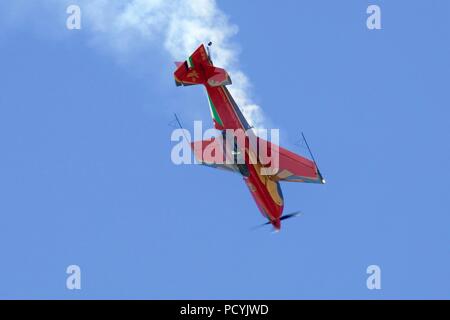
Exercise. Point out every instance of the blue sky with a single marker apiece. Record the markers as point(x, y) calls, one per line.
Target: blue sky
point(86, 176)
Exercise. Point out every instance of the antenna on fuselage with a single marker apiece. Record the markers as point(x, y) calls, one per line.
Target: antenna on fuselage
point(208, 49)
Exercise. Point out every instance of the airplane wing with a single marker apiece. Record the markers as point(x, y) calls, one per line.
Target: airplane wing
point(293, 167)
point(211, 153)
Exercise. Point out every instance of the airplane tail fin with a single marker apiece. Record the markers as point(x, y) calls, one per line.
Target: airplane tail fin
point(198, 69)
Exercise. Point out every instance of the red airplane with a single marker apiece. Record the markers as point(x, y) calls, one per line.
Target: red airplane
point(265, 188)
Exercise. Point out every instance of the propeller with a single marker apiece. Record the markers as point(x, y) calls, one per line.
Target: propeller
point(291, 215)
point(284, 217)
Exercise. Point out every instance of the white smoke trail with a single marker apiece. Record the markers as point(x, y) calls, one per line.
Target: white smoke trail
point(178, 26)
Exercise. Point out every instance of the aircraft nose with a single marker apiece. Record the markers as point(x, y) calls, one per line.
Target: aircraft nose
point(277, 225)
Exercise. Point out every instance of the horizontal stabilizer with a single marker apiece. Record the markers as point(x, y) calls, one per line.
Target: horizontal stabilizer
point(198, 69)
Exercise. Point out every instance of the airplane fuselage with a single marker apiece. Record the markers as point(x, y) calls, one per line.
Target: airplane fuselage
point(265, 191)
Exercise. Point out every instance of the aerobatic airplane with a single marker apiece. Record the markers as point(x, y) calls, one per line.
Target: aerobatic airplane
point(198, 69)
